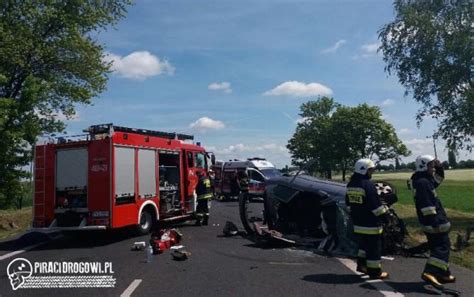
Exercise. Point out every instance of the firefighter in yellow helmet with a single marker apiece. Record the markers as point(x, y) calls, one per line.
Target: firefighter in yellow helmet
point(204, 194)
point(367, 213)
point(427, 177)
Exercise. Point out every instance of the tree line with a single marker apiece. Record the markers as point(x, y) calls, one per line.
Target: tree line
point(463, 164)
point(331, 137)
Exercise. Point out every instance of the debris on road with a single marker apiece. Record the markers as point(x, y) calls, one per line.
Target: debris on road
point(230, 229)
point(164, 240)
point(176, 247)
point(138, 245)
point(462, 241)
point(180, 255)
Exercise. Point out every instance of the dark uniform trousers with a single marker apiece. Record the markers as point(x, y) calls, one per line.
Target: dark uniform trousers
point(204, 194)
point(369, 254)
point(202, 210)
point(439, 245)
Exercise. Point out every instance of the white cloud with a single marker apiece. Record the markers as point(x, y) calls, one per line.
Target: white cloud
point(388, 102)
point(334, 48)
point(404, 131)
point(203, 124)
point(420, 146)
point(224, 86)
point(139, 65)
point(242, 148)
point(299, 89)
point(370, 48)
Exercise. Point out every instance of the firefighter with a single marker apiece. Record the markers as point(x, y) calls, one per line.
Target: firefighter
point(204, 194)
point(367, 213)
point(427, 177)
point(243, 181)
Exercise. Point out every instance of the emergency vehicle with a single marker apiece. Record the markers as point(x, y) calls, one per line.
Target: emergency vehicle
point(115, 177)
point(226, 176)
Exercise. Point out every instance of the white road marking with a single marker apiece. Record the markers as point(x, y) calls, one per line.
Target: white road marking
point(9, 255)
point(388, 258)
point(380, 285)
point(131, 288)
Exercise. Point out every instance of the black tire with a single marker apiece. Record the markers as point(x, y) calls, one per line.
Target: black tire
point(243, 206)
point(145, 224)
point(250, 210)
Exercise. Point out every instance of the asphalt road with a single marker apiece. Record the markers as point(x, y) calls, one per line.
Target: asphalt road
point(218, 266)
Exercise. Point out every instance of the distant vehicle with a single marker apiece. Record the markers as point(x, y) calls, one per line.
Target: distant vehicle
point(259, 171)
point(114, 177)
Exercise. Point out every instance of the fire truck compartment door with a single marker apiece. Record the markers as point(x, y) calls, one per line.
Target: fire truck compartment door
point(146, 173)
point(124, 171)
point(71, 168)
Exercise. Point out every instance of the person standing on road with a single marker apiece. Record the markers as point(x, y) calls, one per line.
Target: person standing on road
point(204, 194)
point(243, 181)
point(367, 213)
point(433, 219)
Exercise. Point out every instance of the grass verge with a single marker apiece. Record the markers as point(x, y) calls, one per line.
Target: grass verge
point(13, 222)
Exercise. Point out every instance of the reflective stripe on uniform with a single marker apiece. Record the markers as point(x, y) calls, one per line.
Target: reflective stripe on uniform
point(204, 196)
point(380, 210)
point(355, 195)
point(374, 264)
point(438, 263)
point(440, 229)
point(361, 254)
point(368, 230)
point(430, 210)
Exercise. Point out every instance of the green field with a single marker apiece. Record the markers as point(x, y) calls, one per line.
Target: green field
point(456, 191)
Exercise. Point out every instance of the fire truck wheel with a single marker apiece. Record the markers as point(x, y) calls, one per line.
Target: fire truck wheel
point(145, 223)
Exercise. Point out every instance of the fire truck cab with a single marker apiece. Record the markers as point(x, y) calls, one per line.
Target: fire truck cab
point(259, 170)
point(114, 177)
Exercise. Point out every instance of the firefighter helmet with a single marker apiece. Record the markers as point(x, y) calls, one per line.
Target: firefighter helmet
point(362, 165)
point(422, 162)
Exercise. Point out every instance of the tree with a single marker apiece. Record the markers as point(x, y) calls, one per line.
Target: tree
point(49, 62)
point(333, 136)
point(310, 144)
point(430, 47)
point(452, 158)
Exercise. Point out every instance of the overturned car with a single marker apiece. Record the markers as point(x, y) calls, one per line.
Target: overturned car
point(296, 208)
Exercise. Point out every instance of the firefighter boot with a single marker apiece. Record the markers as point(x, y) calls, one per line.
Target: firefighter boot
point(205, 220)
point(432, 279)
point(446, 279)
point(382, 275)
point(361, 266)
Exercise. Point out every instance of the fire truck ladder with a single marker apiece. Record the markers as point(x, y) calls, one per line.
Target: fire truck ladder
point(39, 207)
point(110, 128)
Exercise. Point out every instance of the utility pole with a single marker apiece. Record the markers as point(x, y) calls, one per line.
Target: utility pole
point(434, 146)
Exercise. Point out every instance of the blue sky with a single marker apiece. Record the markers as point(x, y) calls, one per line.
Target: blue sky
point(234, 73)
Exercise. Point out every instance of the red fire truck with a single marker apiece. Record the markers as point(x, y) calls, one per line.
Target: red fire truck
point(116, 177)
